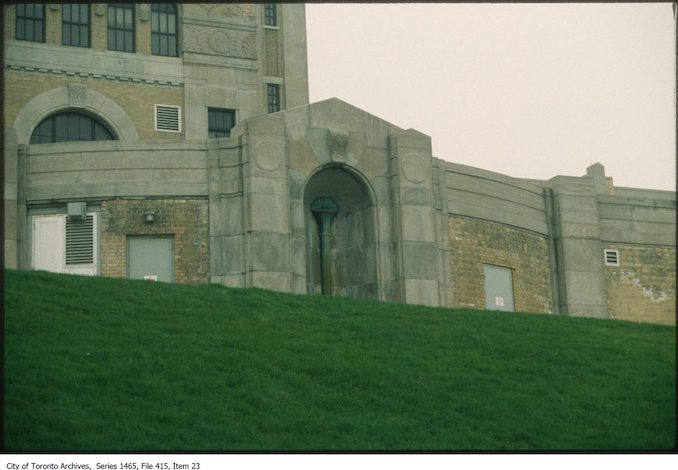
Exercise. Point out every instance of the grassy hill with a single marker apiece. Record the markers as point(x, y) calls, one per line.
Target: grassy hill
point(96, 364)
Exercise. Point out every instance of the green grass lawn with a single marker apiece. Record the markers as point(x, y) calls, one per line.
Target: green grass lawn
point(96, 364)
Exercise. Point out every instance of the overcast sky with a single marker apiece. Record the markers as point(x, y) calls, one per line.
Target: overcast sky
point(527, 90)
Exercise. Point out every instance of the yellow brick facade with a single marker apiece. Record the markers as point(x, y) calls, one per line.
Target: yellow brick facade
point(184, 219)
point(475, 243)
point(137, 99)
point(98, 16)
point(643, 287)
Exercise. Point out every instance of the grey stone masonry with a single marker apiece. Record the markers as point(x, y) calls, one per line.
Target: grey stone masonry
point(579, 251)
point(10, 202)
point(266, 210)
point(414, 216)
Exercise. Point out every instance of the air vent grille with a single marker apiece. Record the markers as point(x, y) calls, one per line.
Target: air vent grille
point(611, 257)
point(80, 240)
point(167, 118)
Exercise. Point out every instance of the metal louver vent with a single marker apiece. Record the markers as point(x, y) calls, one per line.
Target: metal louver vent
point(167, 118)
point(80, 240)
point(612, 257)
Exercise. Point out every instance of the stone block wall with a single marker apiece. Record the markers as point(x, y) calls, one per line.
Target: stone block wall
point(474, 243)
point(185, 219)
point(643, 287)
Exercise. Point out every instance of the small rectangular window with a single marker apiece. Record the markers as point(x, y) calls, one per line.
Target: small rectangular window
point(121, 27)
point(75, 24)
point(611, 257)
point(220, 122)
point(273, 98)
point(30, 22)
point(167, 118)
point(270, 14)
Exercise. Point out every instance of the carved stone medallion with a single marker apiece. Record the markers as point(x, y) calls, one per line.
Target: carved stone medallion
point(267, 156)
point(414, 168)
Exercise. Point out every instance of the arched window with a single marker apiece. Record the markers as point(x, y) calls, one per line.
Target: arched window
point(70, 127)
point(164, 29)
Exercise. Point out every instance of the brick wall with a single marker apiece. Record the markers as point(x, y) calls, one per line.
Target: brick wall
point(137, 99)
point(643, 287)
point(475, 243)
point(185, 219)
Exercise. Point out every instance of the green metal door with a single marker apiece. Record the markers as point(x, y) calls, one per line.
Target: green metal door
point(498, 288)
point(150, 258)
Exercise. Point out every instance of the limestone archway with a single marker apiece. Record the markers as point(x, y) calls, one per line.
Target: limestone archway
point(79, 98)
point(349, 255)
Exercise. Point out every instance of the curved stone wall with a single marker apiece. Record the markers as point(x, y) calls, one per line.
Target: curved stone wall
point(87, 170)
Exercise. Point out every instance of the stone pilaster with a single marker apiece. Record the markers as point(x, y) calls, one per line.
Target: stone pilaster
point(266, 209)
point(578, 246)
point(414, 215)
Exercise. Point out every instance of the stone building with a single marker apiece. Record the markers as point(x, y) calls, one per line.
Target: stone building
point(175, 142)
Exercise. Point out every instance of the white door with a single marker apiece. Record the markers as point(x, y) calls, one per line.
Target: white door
point(49, 234)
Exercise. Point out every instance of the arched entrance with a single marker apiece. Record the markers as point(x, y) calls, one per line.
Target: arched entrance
point(340, 235)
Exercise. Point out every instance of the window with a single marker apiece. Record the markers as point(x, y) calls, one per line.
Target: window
point(164, 29)
point(70, 127)
point(220, 122)
point(121, 27)
point(167, 118)
point(75, 24)
point(270, 14)
point(611, 257)
point(273, 98)
point(30, 22)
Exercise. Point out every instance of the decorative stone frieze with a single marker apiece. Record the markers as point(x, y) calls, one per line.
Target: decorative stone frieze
point(205, 40)
point(227, 9)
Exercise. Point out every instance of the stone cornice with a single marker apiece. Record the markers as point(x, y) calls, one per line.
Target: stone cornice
point(72, 73)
